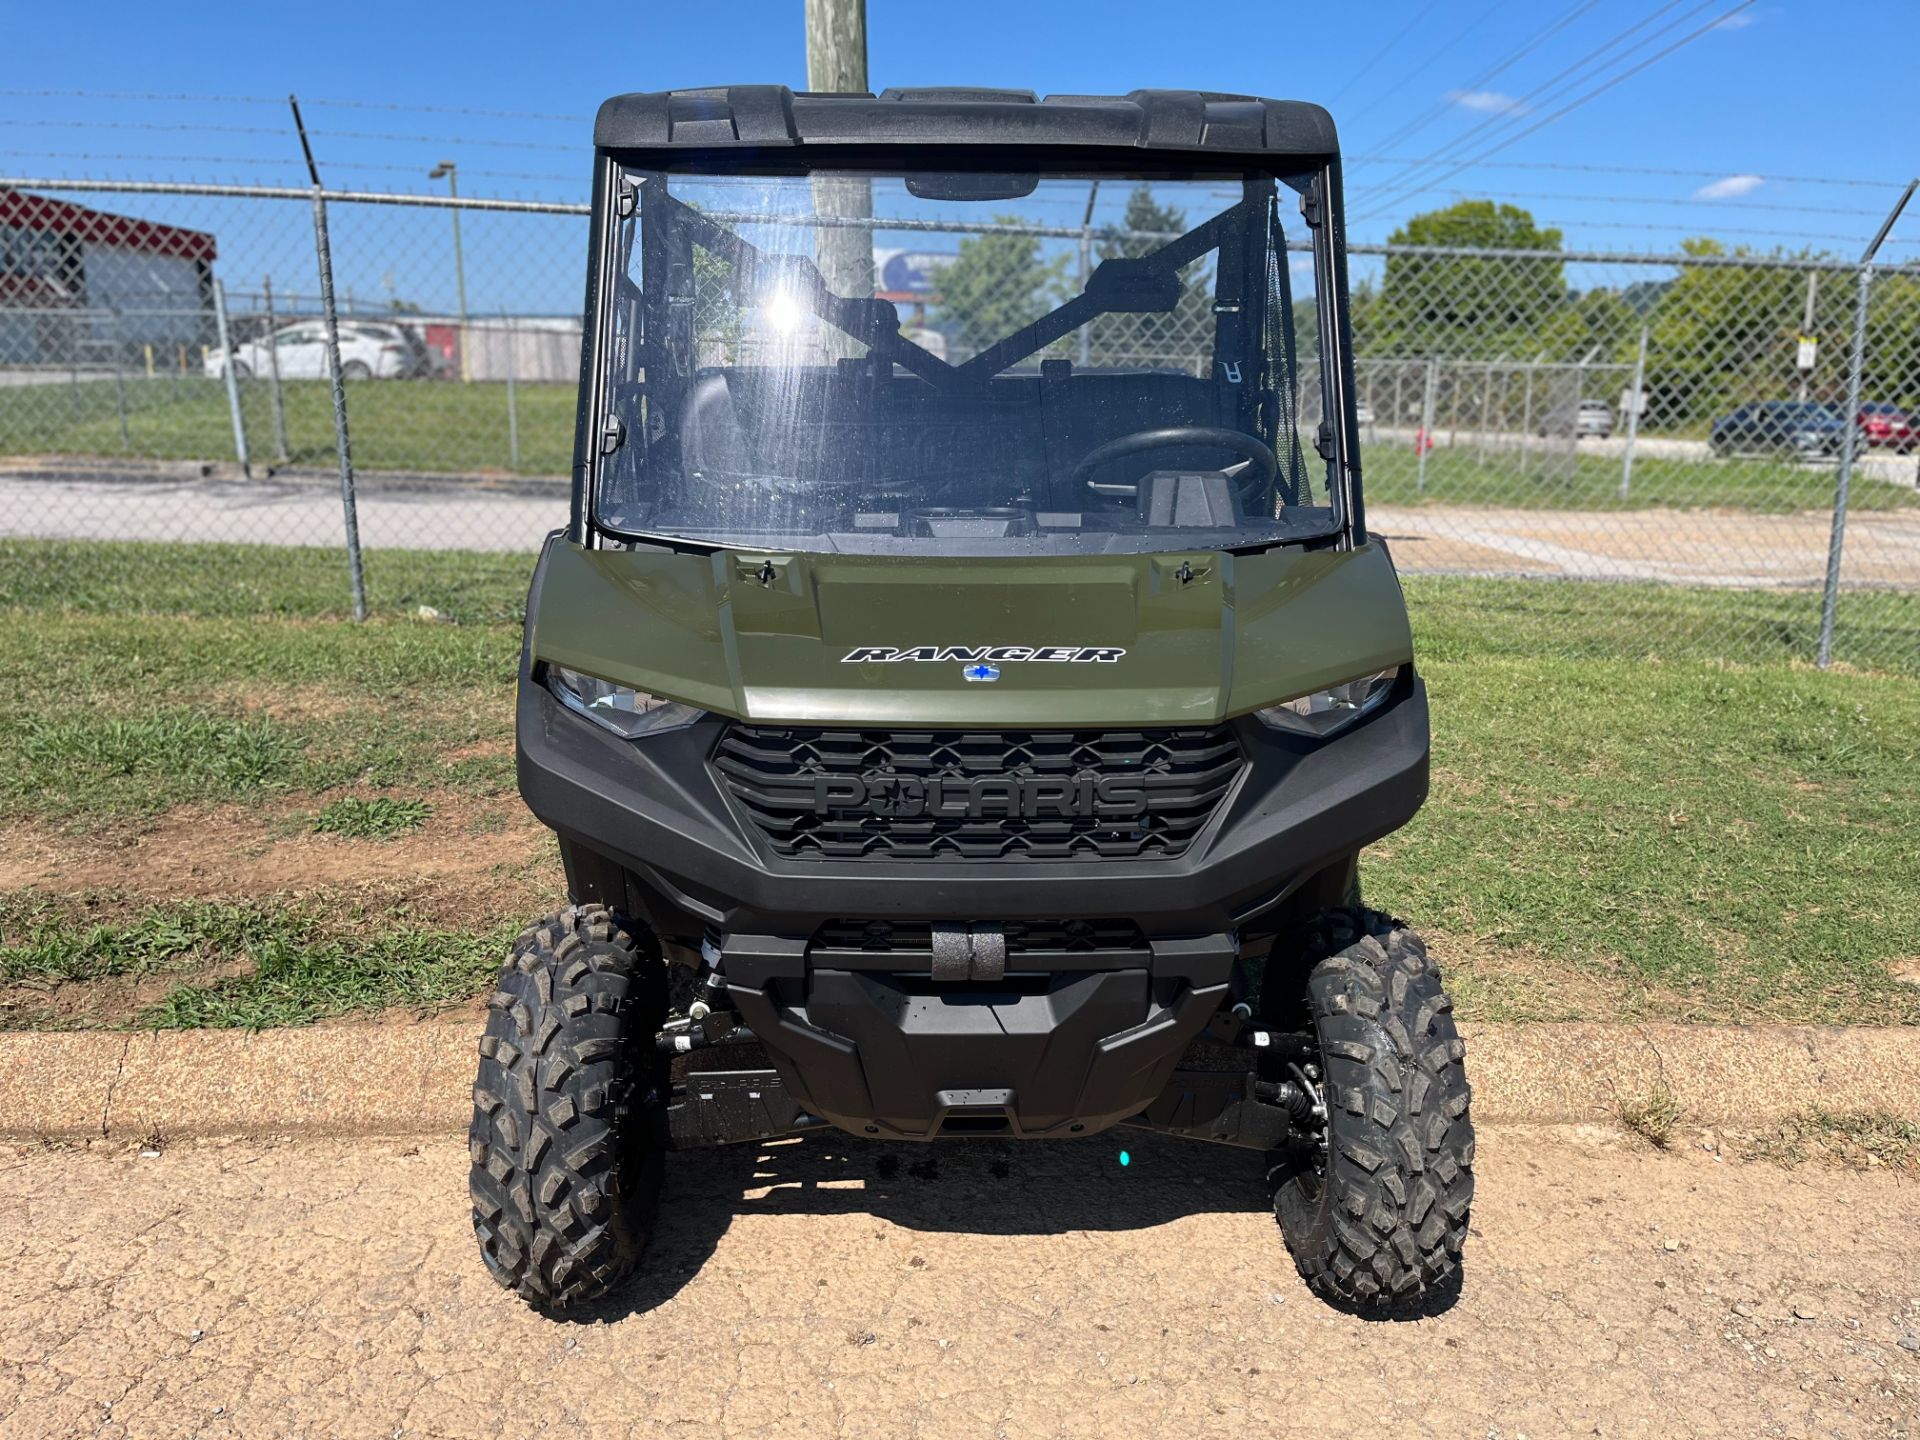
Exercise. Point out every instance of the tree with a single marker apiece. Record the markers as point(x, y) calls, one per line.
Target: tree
point(1722, 335)
point(997, 285)
point(1599, 319)
point(1462, 305)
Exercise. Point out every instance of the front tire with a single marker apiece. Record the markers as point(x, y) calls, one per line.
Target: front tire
point(568, 1136)
point(1378, 1214)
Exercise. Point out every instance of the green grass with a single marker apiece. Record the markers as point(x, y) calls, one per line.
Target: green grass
point(43, 941)
point(429, 426)
point(380, 817)
point(295, 964)
point(1472, 619)
point(1666, 839)
point(110, 718)
point(247, 581)
point(1582, 481)
point(1629, 828)
point(172, 753)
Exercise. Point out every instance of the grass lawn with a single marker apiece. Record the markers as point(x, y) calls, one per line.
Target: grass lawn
point(445, 427)
point(395, 425)
point(1627, 834)
point(1587, 481)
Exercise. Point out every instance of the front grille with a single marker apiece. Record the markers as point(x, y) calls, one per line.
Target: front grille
point(791, 780)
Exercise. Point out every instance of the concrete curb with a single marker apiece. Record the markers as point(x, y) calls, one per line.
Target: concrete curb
point(414, 1079)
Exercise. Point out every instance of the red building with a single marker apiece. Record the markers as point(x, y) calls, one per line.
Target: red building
point(77, 283)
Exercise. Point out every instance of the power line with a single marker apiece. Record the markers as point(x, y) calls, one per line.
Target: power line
point(1381, 53)
point(1431, 55)
point(1556, 84)
point(1506, 62)
point(1572, 105)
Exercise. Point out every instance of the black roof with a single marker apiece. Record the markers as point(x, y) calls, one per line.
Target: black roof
point(764, 116)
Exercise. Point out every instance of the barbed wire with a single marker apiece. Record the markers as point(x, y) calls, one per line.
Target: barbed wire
point(1482, 192)
point(1573, 166)
point(280, 100)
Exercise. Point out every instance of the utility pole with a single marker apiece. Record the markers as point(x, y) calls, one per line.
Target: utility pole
point(447, 168)
point(837, 62)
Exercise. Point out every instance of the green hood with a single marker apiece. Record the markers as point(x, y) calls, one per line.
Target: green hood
point(764, 638)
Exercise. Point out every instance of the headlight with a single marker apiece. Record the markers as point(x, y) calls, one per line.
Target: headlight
point(1325, 712)
point(619, 708)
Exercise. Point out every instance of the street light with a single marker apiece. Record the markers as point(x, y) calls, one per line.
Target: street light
point(448, 169)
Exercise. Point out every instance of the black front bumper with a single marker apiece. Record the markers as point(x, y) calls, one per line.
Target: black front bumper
point(1060, 1042)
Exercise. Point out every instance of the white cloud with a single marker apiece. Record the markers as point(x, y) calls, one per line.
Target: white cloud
point(1488, 102)
point(1729, 188)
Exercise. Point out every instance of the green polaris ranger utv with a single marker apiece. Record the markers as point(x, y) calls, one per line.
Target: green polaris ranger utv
point(965, 680)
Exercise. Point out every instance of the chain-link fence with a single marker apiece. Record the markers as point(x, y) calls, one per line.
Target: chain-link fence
point(1669, 433)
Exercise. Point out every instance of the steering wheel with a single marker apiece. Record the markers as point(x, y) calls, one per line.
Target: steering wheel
point(1252, 447)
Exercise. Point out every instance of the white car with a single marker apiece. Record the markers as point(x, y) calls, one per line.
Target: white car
point(368, 351)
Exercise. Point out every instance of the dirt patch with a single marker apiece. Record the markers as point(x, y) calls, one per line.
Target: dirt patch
point(102, 1003)
point(294, 702)
point(479, 750)
point(233, 852)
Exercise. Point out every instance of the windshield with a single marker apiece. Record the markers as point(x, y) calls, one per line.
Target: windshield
point(962, 363)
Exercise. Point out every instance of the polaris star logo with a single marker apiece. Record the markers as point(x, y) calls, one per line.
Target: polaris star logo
point(986, 657)
point(980, 670)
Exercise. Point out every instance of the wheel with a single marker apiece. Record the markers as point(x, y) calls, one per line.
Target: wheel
point(568, 1129)
point(1375, 1209)
point(356, 370)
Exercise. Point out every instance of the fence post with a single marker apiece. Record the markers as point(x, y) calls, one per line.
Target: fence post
point(1486, 413)
point(1423, 442)
point(273, 369)
point(1635, 397)
point(349, 514)
point(120, 381)
point(1837, 537)
point(232, 381)
point(1850, 436)
point(513, 406)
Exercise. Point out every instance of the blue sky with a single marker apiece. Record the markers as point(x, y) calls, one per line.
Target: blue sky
point(1754, 111)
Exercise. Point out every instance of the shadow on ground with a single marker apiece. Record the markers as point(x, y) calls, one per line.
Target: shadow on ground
point(981, 1187)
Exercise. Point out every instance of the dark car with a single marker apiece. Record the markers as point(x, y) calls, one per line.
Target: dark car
point(1889, 425)
point(1801, 427)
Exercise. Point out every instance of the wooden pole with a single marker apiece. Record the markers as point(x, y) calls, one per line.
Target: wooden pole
point(837, 62)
